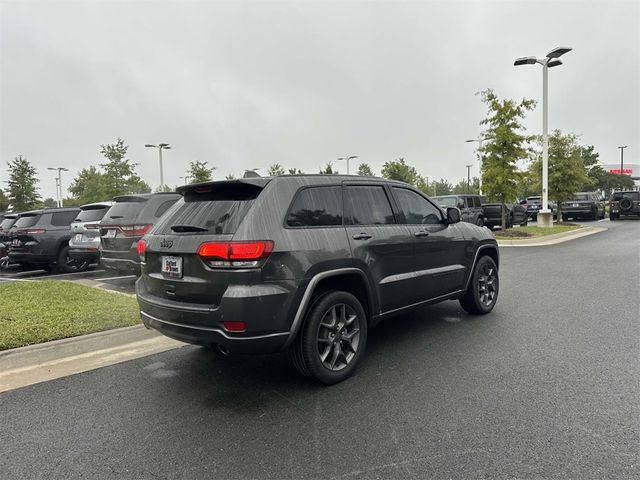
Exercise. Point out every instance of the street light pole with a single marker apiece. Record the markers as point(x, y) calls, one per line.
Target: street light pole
point(479, 140)
point(58, 183)
point(347, 159)
point(469, 178)
point(160, 147)
point(552, 59)
point(622, 159)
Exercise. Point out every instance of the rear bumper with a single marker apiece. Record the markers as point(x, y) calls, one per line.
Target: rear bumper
point(264, 308)
point(85, 254)
point(121, 261)
point(27, 257)
point(577, 211)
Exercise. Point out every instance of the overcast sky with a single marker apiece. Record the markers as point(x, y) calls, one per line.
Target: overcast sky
point(247, 84)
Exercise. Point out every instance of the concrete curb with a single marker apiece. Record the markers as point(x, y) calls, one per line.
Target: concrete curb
point(552, 239)
point(32, 364)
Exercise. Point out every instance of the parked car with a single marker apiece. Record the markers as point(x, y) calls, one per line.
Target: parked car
point(534, 205)
point(84, 245)
point(470, 207)
point(584, 205)
point(41, 238)
point(625, 203)
point(8, 219)
point(307, 264)
point(129, 218)
point(516, 215)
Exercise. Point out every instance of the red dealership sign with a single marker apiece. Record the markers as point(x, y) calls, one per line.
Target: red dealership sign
point(626, 171)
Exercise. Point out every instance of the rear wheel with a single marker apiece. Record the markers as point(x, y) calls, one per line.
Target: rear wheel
point(332, 339)
point(483, 289)
point(480, 222)
point(66, 264)
point(612, 216)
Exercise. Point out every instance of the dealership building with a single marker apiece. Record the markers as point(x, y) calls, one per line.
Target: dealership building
point(632, 169)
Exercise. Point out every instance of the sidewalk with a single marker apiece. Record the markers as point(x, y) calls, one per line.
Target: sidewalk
point(551, 239)
point(24, 366)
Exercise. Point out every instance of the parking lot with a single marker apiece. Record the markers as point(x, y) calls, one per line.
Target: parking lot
point(546, 386)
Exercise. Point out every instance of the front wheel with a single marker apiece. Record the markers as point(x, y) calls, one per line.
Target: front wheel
point(332, 339)
point(480, 222)
point(482, 293)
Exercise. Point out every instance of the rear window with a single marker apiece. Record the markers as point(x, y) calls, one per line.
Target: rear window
point(27, 220)
point(128, 210)
point(476, 202)
point(7, 223)
point(164, 206)
point(581, 197)
point(632, 195)
point(316, 207)
point(91, 214)
point(219, 209)
point(63, 219)
point(446, 201)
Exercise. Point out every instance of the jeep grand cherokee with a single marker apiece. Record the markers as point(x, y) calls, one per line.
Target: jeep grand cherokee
point(307, 264)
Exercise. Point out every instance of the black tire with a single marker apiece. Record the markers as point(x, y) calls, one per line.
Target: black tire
point(612, 217)
point(625, 204)
point(341, 312)
point(594, 214)
point(480, 222)
point(525, 222)
point(481, 295)
point(564, 218)
point(510, 221)
point(66, 264)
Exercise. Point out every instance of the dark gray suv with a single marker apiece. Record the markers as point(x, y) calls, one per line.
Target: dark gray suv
point(308, 264)
point(41, 238)
point(128, 219)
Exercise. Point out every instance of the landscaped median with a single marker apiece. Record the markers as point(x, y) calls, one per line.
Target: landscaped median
point(540, 237)
point(40, 311)
point(534, 232)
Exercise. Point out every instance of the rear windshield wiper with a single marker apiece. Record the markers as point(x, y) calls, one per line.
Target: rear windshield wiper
point(188, 228)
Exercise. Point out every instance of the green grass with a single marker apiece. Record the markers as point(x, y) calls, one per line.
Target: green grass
point(35, 312)
point(532, 232)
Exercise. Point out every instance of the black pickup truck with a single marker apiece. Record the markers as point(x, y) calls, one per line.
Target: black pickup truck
point(517, 214)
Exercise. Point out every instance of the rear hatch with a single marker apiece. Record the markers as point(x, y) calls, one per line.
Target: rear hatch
point(85, 229)
point(579, 202)
point(190, 256)
point(26, 232)
point(5, 226)
point(121, 227)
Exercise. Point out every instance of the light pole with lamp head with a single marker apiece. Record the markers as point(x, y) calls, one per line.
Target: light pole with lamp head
point(469, 178)
point(479, 140)
point(622, 159)
point(347, 159)
point(552, 59)
point(59, 183)
point(160, 147)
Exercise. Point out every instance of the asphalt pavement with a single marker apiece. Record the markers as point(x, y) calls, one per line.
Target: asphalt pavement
point(546, 386)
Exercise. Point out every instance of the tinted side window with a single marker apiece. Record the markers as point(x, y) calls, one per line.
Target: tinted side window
point(164, 206)
point(63, 219)
point(416, 209)
point(367, 205)
point(476, 202)
point(316, 207)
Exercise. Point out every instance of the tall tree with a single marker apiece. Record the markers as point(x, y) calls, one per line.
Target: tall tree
point(463, 186)
point(23, 180)
point(119, 171)
point(401, 171)
point(328, 170)
point(295, 171)
point(441, 187)
point(88, 186)
point(567, 172)
point(50, 203)
point(365, 170)
point(276, 170)
point(200, 172)
point(507, 144)
point(231, 176)
point(4, 201)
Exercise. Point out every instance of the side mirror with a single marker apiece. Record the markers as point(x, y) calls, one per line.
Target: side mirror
point(453, 215)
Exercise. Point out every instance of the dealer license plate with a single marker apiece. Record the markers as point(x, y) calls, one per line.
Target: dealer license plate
point(111, 233)
point(172, 266)
point(77, 238)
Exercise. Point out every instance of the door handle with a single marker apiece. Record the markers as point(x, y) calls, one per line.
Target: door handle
point(362, 236)
point(421, 233)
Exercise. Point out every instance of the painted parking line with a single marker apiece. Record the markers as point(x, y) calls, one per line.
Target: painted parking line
point(115, 278)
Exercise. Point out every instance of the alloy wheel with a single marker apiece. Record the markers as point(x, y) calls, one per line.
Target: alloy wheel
point(487, 285)
point(338, 337)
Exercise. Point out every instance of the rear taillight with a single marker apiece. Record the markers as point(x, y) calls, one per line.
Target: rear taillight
point(235, 254)
point(91, 226)
point(31, 231)
point(135, 230)
point(141, 247)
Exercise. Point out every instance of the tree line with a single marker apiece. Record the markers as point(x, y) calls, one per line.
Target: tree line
point(573, 167)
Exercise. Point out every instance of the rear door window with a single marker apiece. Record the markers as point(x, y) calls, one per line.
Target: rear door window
point(7, 223)
point(164, 206)
point(316, 207)
point(219, 210)
point(124, 211)
point(27, 221)
point(63, 219)
point(476, 202)
point(91, 214)
point(367, 205)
